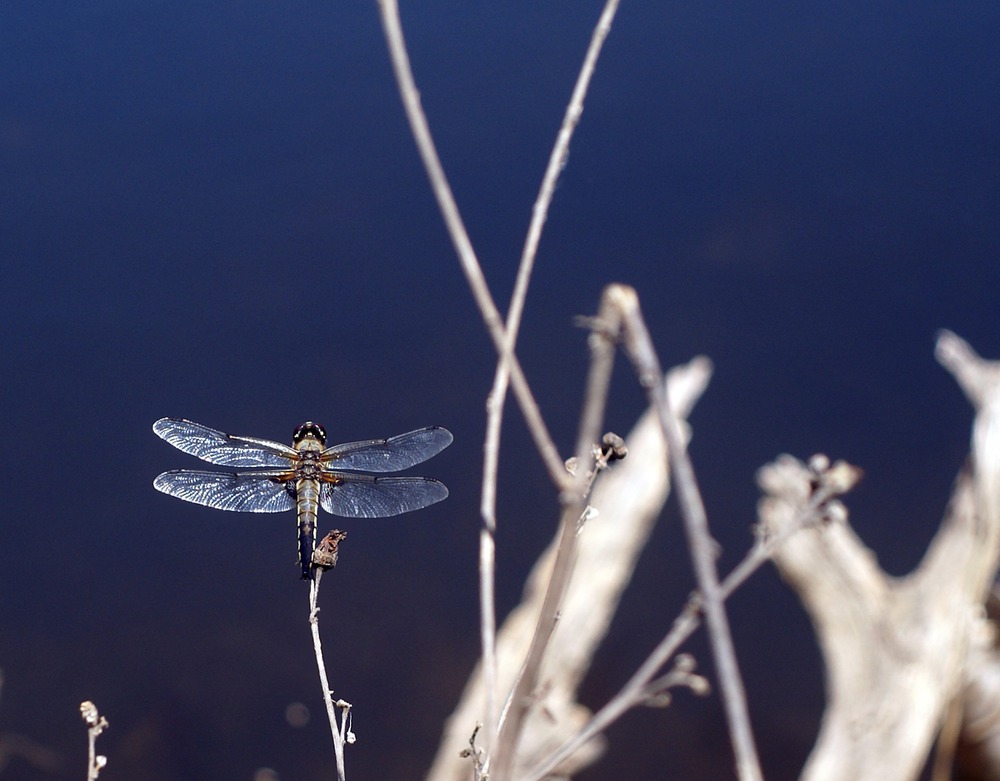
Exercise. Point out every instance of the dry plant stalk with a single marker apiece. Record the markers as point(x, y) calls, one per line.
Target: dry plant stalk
point(498, 393)
point(623, 303)
point(324, 558)
point(96, 724)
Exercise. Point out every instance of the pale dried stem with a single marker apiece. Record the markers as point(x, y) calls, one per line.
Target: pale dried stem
point(488, 625)
point(502, 339)
point(460, 239)
point(96, 724)
point(639, 347)
point(498, 394)
point(336, 731)
point(573, 501)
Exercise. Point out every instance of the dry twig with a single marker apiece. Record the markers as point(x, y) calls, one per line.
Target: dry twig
point(498, 393)
point(456, 230)
point(325, 557)
point(620, 314)
point(504, 338)
point(96, 724)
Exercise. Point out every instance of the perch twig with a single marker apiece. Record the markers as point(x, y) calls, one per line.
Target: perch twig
point(325, 557)
point(96, 724)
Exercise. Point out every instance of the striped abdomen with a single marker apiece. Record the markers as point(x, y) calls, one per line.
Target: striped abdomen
point(307, 506)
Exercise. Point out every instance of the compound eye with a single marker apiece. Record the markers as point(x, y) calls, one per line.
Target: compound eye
point(309, 429)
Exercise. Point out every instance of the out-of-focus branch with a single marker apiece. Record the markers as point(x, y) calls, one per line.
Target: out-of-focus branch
point(976, 739)
point(895, 649)
point(628, 498)
point(498, 394)
point(572, 501)
point(831, 482)
point(460, 237)
point(639, 347)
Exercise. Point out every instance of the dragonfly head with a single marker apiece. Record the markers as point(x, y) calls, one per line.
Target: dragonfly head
point(309, 430)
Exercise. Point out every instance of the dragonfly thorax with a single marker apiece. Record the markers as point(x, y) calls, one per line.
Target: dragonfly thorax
point(309, 467)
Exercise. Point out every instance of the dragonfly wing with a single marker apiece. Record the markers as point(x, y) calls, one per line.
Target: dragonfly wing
point(389, 455)
point(249, 492)
point(367, 496)
point(223, 449)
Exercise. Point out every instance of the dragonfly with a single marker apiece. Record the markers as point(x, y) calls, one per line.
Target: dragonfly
point(272, 477)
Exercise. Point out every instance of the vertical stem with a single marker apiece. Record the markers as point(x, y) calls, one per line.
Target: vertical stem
point(539, 214)
point(639, 346)
point(96, 724)
point(338, 738)
point(505, 751)
point(572, 500)
point(488, 626)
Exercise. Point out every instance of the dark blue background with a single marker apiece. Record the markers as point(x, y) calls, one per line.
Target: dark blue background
point(214, 210)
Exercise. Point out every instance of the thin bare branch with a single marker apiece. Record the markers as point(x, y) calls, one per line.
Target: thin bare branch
point(498, 394)
point(460, 239)
point(504, 338)
point(337, 731)
point(96, 724)
point(573, 502)
point(639, 346)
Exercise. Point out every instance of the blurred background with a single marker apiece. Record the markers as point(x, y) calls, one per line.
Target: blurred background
point(214, 210)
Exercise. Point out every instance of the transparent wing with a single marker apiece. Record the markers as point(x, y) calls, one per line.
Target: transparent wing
point(389, 455)
point(249, 492)
point(223, 449)
point(367, 496)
